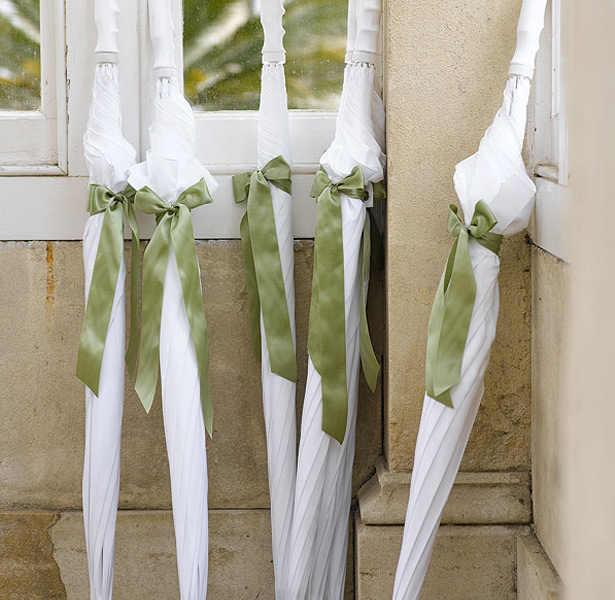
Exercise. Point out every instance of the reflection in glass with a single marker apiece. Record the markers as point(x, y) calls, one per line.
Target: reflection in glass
point(20, 65)
point(222, 53)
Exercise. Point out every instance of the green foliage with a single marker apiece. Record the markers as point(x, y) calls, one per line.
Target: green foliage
point(20, 66)
point(227, 75)
point(222, 45)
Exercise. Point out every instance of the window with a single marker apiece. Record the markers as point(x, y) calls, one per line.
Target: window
point(30, 69)
point(222, 44)
point(549, 142)
point(219, 50)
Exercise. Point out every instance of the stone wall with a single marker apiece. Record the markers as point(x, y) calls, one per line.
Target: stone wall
point(42, 437)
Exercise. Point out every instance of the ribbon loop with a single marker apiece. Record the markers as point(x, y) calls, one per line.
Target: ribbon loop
point(104, 282)
point(451, 314)
point(327, 328)
point(173, 227)
point(263, 267)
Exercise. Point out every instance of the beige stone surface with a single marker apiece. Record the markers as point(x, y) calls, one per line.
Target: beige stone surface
point(27, 567)
point(41, 435)
point(536, 578)
point(446, 69)
point(476, 498)
point(145, 564)
point(469, 563)
point(42, 556)
point(550, 289)
point(588, 407)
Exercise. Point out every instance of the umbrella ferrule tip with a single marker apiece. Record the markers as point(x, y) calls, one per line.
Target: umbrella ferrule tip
point(274, 56)
point(107, 57)
point(521, 70)
point(165, 72)
point(359, 56)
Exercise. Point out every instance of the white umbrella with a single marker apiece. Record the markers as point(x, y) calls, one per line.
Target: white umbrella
point(102, 344)
point(494, 177)
point(170, 182)
point(324, 473)
point(278, 378)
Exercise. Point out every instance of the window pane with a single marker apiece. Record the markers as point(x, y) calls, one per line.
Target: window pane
point(223, 40)
point(20, 65)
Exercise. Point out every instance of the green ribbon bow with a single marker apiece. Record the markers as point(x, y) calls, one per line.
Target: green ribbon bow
point(173, 226)
point(261, 256)
point(104, 281)
point(327, 329)
point(452, 309)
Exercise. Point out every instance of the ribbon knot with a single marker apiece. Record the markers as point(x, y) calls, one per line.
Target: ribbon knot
point(327, 328)
point(262, 264)
point(122, 199)
point(104, 282)
point(173, 228)
point(451, 314)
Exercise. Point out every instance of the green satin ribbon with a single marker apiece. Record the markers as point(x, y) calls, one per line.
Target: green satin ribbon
point(449, 322)
point(376, 235)
point(173, 226)
point(104, 282)
point(327, 328)
point(261, 256)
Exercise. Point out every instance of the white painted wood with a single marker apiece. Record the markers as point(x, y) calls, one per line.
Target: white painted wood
point(531, 22)
point(228, 138)
point(548, 228)
point(106, 17)
point(548, 140)
point(53, 208)
point(31, 138)
point(161, 36)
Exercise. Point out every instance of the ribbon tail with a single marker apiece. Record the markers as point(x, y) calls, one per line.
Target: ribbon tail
point(99, 305)
point(135, 276)
point(314, 319)
point(155, 262)
point(251, 286)
point(369, 362)
point(331, 315)
point(270, 280)
point(450, 321)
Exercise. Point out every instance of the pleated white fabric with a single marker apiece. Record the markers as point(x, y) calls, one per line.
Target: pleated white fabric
point(170, 168)
point(279, 393)
point(108, 156)
point(317, 565)
point(497, 175)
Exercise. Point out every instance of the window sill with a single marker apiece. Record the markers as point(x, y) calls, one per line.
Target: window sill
point(548, 226)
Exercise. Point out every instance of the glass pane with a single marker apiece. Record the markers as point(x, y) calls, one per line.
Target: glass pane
point(222, 53)
point(20, 65)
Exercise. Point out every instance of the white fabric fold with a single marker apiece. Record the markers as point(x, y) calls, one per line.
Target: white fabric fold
point(171, 167)
point(317, 567)
point(279, 393)
point(108, 156)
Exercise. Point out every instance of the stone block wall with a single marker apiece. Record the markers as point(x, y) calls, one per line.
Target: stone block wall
point(42, 547)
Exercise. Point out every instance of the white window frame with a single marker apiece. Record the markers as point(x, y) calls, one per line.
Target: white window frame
point(548, 140)
point(34, 142)
point(226, 140)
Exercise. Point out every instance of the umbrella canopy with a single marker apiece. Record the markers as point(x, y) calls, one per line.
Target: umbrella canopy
point(267, 237)
point(171, 182)
point(108, 157)
point(324, 473)
point(496, 196)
